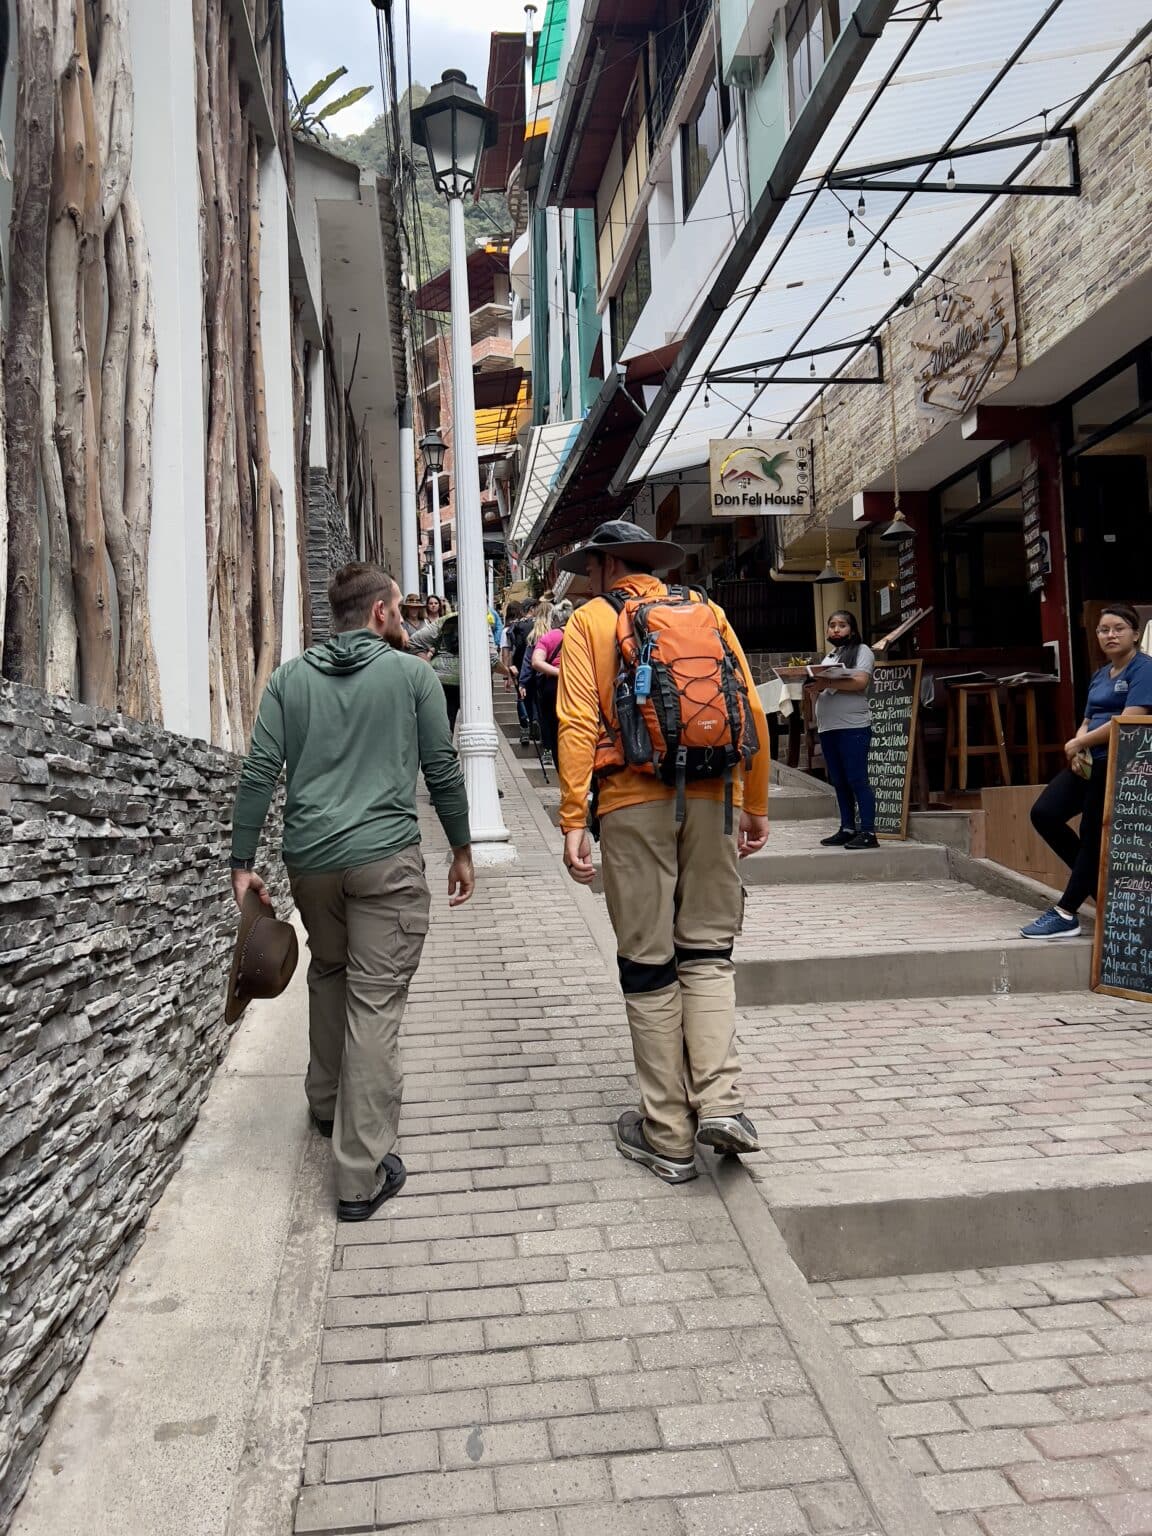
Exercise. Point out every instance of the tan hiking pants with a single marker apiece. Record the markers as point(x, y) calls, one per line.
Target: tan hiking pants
point(366, 931)
point(676, 902)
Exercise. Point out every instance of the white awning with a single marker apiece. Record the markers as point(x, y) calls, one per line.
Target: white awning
point(548, 448)
point(984, 71)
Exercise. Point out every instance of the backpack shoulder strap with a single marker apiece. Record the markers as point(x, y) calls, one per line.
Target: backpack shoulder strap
point(616, 600)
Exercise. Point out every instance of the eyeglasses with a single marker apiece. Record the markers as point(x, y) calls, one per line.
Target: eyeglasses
point(1118, 634)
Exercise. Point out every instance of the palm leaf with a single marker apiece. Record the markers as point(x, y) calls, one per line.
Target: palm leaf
point(313, 95)
point(348, 100)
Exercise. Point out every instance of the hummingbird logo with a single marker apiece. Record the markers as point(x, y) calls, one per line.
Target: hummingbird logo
point(743, 466)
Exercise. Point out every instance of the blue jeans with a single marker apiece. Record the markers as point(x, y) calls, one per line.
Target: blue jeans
point(846, 759)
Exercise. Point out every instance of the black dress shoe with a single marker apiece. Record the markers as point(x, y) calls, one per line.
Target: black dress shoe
point(393, 1172)
point(323, 1126)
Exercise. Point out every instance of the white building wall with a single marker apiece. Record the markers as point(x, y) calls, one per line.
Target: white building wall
point(167, 180)
point(276, 325)
point(685, 266)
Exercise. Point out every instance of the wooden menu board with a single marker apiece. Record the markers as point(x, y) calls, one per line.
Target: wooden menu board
point(1035, 547)
point(895, 698)
point(1122, 951)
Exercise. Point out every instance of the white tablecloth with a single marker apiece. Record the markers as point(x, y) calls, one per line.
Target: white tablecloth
point(779, 698)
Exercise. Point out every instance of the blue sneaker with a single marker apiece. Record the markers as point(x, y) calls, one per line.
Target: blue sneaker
point(1052, 925)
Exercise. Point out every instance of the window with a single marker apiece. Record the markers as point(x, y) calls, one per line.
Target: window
point(633, 294)
point(811, 27)
point(702, 138)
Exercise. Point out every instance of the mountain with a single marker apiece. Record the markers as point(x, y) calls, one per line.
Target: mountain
point(428, 253)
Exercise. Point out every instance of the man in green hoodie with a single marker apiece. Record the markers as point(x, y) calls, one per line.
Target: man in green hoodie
point(354, 720)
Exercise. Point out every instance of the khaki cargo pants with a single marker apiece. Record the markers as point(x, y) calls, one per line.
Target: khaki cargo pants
point(366, 931)
point(676, 902)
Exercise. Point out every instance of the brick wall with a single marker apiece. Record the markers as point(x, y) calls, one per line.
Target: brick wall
point(116, 927)
point(1070, 256)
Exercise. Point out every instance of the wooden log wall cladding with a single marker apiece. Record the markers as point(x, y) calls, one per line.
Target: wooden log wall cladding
point(244, 504)
point(79, 369)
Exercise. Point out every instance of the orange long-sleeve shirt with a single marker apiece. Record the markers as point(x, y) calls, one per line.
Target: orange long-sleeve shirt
point(588, 667)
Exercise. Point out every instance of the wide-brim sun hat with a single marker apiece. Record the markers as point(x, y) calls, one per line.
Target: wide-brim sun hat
point(413, 600)
point(264, 958)
point(625, 541)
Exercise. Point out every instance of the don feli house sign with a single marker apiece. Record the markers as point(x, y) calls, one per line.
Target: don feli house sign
point(758, 476)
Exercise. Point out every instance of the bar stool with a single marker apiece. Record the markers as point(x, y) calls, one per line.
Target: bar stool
point(958, 748)
point(1022, 701)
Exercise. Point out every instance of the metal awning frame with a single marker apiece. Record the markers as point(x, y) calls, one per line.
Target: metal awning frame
point(867, 178)
point(716, 307)
point(741, 375)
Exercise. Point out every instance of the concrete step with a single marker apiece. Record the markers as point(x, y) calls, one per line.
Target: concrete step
point(973, 970)
point(906, 938)
point(828, 866)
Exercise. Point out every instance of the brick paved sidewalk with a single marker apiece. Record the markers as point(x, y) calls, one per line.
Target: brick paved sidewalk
point(1021, 1397)
point(536, 1336)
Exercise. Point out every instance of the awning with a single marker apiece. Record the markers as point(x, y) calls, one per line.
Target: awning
point(579, 497)
point(548, 448)
point(505, 97)
point(948, 77)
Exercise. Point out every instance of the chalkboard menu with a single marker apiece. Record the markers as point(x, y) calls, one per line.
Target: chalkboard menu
point(895, 699)
point(1122, 954)
point(906, 573)
point(1035, 544)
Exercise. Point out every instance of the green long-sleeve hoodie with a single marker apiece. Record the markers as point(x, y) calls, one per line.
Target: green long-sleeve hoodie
point(353, 720)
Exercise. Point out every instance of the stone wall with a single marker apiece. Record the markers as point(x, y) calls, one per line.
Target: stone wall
point(329, 547)
point(116, 926)
point(1070, 255)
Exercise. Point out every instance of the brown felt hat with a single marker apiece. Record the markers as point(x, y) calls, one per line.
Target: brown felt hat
point(413, 600)
point(264, 958)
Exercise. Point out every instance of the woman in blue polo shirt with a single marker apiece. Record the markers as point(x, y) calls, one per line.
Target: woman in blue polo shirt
point(1122, 686)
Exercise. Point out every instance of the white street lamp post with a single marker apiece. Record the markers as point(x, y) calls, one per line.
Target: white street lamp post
point(455, 127)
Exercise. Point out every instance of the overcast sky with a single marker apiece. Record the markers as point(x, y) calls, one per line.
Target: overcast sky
point(446, 34)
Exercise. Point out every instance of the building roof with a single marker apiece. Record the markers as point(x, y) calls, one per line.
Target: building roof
point(505, 97)
point(483, 265)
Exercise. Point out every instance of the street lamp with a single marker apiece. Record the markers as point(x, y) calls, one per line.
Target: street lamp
point(433, 447)
point(455, 128)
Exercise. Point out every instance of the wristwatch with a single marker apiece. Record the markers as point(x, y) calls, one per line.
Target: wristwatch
point(242, 863)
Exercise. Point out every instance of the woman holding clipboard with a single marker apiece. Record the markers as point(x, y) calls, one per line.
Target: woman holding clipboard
point(1123, 686)
point(844, 720)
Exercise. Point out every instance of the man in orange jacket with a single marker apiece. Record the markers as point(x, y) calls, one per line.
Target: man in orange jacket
point(673, 887)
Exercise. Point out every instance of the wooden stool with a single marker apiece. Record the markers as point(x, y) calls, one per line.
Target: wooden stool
point(957, 748)
point(1022, 700)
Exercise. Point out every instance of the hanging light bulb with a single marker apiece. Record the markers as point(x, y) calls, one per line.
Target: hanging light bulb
point(950, 179)
point(812, 367)
point(860, 209)
point(749, 426)
point(1044, 131)
point(851, 231)
point(887, 263)
point(936, 306)
point(707, 399)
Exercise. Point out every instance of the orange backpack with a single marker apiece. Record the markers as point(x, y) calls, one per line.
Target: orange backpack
point(682, 710)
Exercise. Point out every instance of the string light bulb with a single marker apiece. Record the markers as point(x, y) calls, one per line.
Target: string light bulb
point(860, 207)
point(1044, 131)
point(887, 262)
point(707, 399)
point(812, 367)
point(749, 425)
point(851, 231)
point(950, 179)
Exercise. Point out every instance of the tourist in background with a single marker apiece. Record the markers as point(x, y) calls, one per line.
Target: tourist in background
point(844, 720)
point(546, 666)
point(439, 642)
point(1123, 685)
point(412, 615)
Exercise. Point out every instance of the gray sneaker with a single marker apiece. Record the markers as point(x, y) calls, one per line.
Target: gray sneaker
point(632, 1142)
point(728, 1133)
